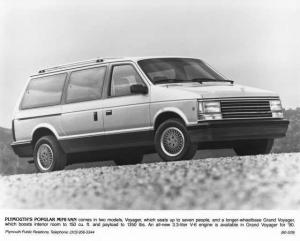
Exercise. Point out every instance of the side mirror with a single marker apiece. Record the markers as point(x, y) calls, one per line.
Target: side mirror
point(138, 89)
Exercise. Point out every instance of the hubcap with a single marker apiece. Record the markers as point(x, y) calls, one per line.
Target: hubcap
point(172, 141)
point(45, 157)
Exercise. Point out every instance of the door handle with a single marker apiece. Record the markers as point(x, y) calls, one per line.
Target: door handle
point(108, 112)
point(95, 116)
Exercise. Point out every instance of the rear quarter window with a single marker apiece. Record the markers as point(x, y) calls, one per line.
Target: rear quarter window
point(44, 91)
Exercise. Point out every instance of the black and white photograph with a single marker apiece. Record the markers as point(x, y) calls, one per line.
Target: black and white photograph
point(135, 105)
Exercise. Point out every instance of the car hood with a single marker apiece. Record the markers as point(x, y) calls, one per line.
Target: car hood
point(221, 90)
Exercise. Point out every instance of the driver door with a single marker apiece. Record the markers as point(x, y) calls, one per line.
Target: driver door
point(125, 112)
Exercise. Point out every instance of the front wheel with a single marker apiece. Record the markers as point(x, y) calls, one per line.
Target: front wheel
point(253, 147)
point(48, 155)
point(172, 141)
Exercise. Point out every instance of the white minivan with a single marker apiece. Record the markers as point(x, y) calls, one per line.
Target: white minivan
point(121, 109)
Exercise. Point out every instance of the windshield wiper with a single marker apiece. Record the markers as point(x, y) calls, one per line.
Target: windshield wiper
point(164, 81)
point(198, 80)
point(201, 80)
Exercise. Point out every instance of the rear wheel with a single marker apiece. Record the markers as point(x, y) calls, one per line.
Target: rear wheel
point(48, 155)
point(172, 141)
point(253, 147)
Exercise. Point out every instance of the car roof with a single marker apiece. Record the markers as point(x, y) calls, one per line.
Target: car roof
point(96, 61)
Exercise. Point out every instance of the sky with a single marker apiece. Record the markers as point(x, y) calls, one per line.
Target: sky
point(253, 42)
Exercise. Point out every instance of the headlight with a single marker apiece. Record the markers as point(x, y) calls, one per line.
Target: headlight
point(211, 107)
point(277, 114)
point(275, 105)
point(209, 110)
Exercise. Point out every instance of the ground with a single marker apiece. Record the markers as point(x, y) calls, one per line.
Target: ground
point(251, 182)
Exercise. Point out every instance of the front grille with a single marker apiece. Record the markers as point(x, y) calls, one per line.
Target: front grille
point(245, 108)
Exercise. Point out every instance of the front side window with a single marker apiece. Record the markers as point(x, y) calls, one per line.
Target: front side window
point(44, 91)
point(171, 70)
point(85, 85)
point(123, 76)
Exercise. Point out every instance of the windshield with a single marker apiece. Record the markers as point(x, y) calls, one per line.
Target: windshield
point(177, 70)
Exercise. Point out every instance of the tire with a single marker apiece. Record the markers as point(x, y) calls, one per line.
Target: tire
point(191, 152)
point(172, 141)
point(48, 155)
point(253, 147)
point(129, 159)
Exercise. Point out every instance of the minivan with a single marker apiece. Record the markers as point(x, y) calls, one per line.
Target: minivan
point(122, 108)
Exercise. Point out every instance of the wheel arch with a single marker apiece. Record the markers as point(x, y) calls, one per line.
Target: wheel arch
point(43, 130)
point(166, 114)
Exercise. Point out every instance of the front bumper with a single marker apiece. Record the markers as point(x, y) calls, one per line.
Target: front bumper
point(229, 130)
